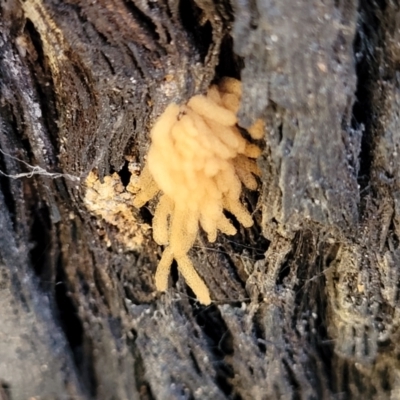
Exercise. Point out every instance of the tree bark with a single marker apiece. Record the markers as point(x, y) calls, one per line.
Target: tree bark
point(305, 302)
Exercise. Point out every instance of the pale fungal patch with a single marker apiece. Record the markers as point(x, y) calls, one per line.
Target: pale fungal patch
point(110, 201)
point(198, 161)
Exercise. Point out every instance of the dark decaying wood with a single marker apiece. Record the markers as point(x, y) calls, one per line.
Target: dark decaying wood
point(306, 301)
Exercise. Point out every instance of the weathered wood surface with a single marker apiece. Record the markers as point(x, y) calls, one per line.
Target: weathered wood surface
point(307, 302)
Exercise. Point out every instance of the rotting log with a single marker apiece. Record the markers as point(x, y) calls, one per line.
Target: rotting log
point(305, 301)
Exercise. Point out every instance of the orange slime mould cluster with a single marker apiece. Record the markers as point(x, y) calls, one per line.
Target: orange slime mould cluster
point(197, 163)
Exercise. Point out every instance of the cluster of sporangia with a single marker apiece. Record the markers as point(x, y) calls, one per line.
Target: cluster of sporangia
point(197, 161)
